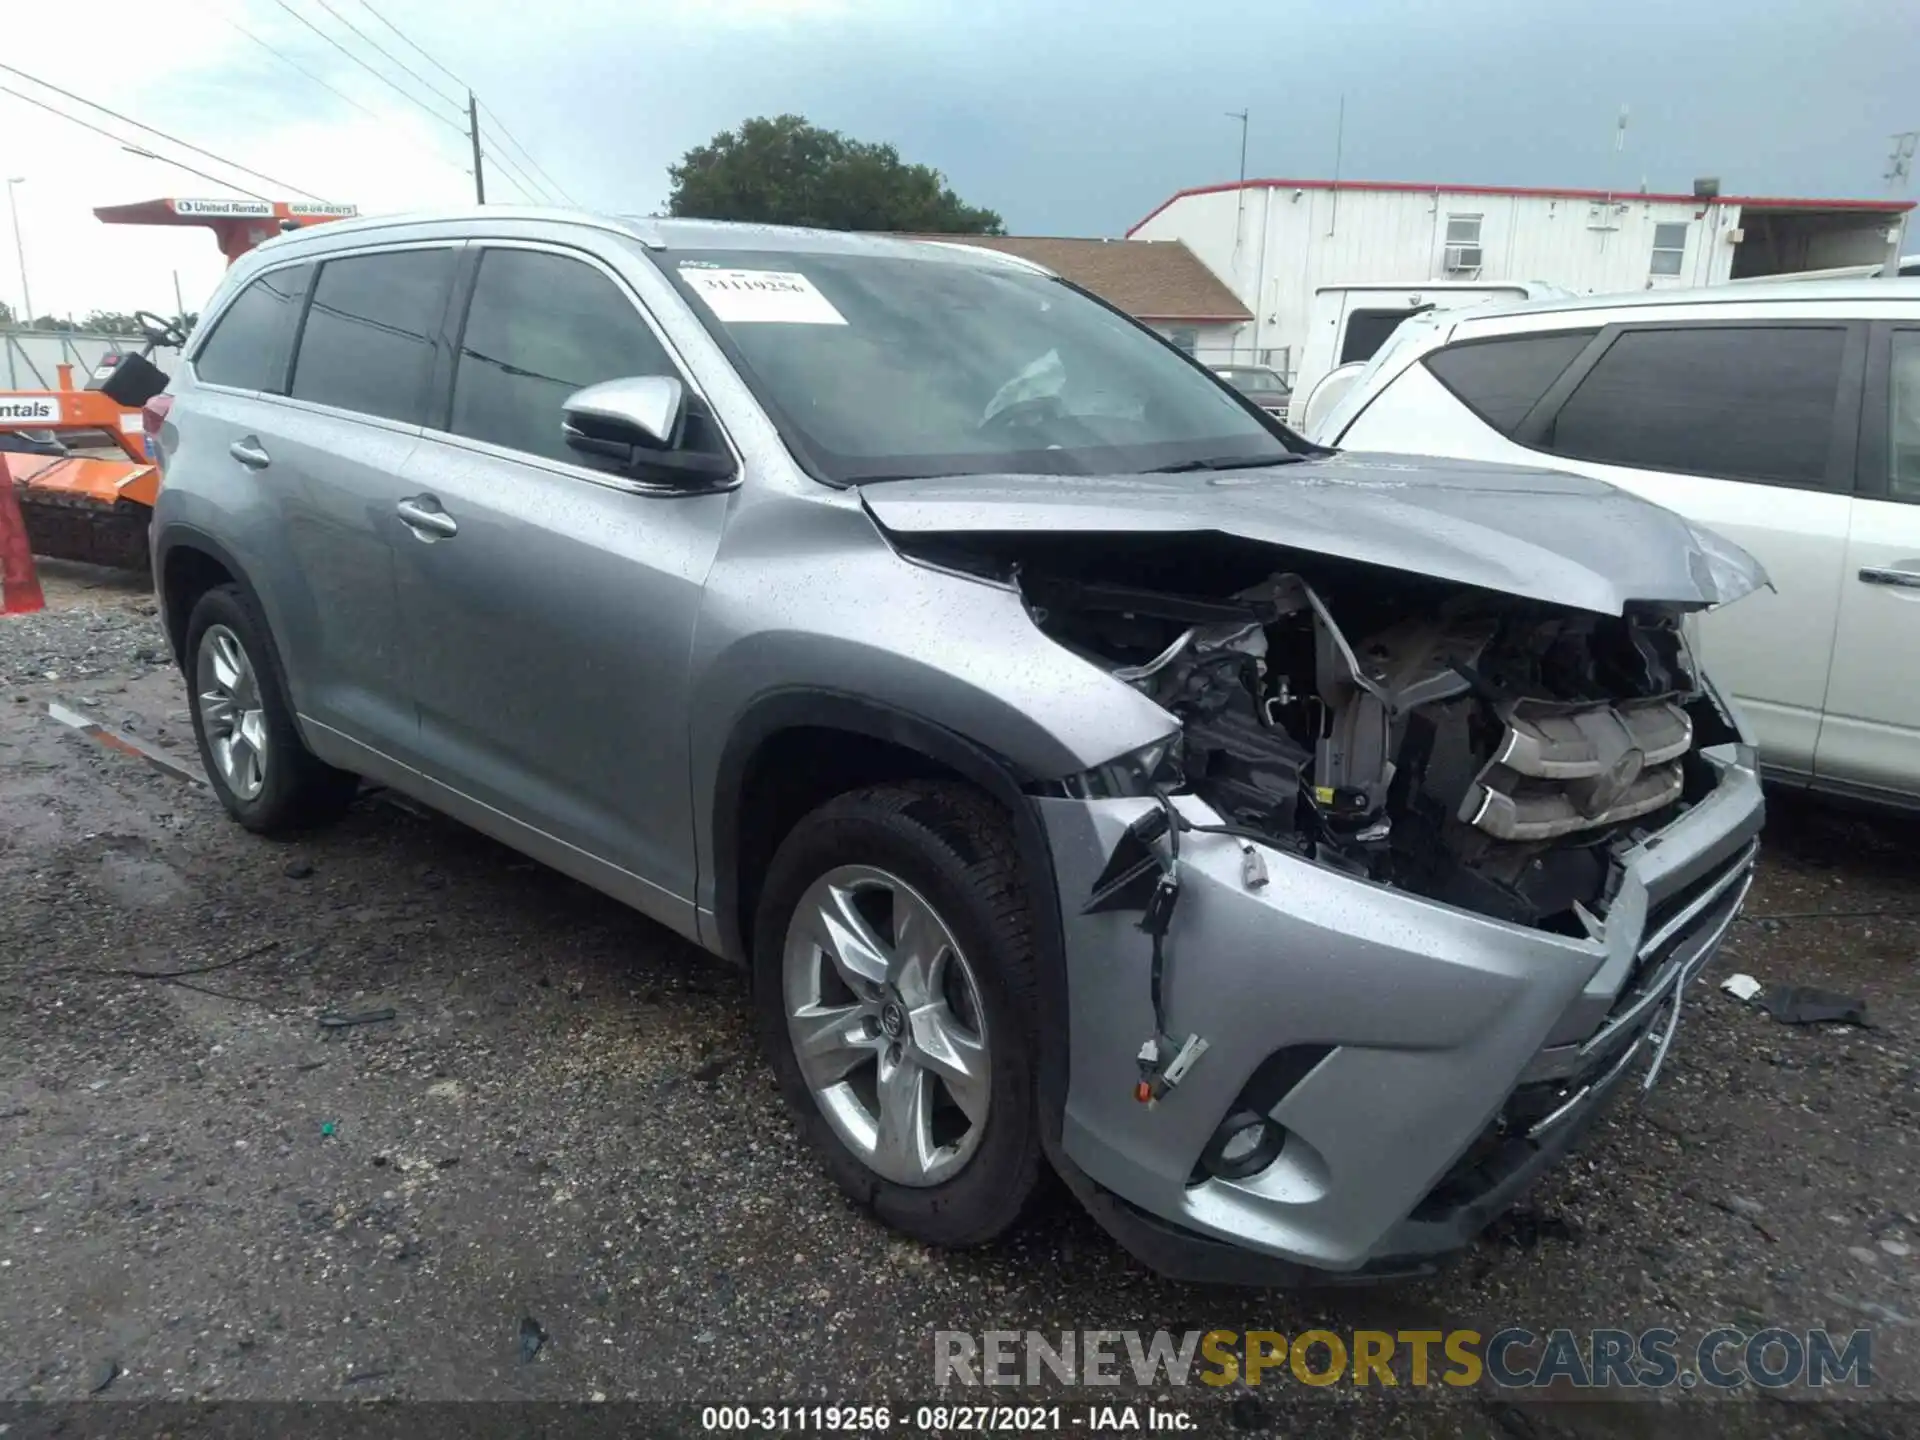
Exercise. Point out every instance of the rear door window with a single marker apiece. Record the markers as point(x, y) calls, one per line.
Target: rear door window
point(368, 344)
point(541, 326)
point(249, 344)
point(1501, 380)
point(1747, 402)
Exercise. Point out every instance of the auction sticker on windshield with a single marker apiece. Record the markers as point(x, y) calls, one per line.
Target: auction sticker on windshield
point(783, 297)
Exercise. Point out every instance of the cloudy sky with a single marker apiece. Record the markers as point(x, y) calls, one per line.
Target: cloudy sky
point(1069, 117)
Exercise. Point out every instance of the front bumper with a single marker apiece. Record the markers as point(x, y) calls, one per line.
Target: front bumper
point(1463, 1056)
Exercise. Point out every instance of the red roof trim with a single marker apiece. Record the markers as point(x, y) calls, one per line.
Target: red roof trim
point(1770, 202)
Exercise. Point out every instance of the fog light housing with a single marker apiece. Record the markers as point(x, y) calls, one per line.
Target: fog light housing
point(1245, 1143)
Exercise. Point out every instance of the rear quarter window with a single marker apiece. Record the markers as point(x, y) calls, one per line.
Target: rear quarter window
point(248, 346)
point(1501, 379)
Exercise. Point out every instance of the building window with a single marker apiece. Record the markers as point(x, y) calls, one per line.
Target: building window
point(1669, 248)
point(1463, 244)
point(1184, 337)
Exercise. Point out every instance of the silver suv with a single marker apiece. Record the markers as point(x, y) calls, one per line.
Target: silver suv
point(1294, 849)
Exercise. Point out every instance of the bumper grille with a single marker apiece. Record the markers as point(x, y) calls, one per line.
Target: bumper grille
point(1561, 769)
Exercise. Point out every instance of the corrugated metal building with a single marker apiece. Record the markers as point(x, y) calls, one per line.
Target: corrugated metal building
point(1275, 241)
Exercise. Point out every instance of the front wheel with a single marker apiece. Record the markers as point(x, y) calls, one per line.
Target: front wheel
point(893, 982)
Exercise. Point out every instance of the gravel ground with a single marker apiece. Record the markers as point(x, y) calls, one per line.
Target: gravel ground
point(563, 1146)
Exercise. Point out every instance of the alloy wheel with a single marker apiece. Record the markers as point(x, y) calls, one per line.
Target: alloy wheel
point(885, 1019)
point(231, 712)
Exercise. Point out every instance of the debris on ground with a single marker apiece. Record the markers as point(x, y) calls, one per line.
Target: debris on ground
point(357, 1017)
point(1741, 987)
point(104, 1374)
point(1524, 1229)
point(1806, 1005)
point(1748, 1210)
point(532, 1337)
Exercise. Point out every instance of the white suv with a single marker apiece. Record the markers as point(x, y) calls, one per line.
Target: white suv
point(1785, 416)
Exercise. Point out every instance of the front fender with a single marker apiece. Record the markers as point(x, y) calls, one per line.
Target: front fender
point(806, 596)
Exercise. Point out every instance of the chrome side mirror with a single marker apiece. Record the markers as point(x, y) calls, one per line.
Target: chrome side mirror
point(637, 426)
point(642, 410)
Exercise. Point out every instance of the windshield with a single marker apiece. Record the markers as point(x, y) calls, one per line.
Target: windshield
point(880, 368)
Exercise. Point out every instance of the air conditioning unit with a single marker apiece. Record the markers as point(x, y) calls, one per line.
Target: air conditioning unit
point(1463, 259)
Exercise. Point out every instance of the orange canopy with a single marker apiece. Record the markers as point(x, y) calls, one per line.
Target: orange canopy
point(239, 225)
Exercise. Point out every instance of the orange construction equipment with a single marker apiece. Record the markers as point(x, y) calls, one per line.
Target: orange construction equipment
point(93, 507)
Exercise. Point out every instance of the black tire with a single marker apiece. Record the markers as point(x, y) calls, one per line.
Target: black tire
point(297, 791)
point(953, 846)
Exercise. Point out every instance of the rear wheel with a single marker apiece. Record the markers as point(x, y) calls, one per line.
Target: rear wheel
point(893, 981)
point(254, 757)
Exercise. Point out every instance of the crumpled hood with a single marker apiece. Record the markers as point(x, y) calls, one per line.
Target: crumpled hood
point(1561, 538)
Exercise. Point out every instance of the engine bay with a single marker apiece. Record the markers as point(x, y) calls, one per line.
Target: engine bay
point(1480, 749)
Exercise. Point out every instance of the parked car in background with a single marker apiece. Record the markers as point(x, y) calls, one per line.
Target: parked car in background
point(1785, 416)
point(918, 631)
point(1260, 384)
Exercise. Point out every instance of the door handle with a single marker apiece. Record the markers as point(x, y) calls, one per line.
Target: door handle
point(250, 453)
point(425, 518)
point(1905, 579)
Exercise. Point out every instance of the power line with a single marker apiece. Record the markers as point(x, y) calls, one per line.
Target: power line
point(282, 56)
point(419, 50)
point(332, 90)
point(391, 84)
point(499, 124)
point(513, 180)
point(385, 54)
point(122, 140)
point(525, 154)
point(519, 178)
point(170, 139)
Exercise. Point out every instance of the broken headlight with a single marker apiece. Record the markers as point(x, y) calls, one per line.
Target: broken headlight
point(1142, 772)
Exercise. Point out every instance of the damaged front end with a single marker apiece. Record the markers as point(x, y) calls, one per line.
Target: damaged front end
point(1479, 749)
point(1359, 946)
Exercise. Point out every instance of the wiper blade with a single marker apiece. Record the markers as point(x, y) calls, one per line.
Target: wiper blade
point(1224, 462)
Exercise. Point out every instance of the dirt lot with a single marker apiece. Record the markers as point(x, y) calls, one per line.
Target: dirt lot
point(563, 1131)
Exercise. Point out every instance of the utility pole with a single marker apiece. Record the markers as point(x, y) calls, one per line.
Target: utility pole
point(1240, 212)
point(26, 295)
point(473, 134)
point(1339, 144)
point(1899, 177)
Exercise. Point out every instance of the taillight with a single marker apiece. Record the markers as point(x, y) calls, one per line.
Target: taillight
point(152, 415)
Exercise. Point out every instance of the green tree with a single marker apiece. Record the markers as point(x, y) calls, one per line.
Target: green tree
point(6, 313)
point(785, 171)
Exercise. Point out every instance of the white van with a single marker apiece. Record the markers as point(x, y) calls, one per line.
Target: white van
point(1348, 323)
point(1784, 416)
